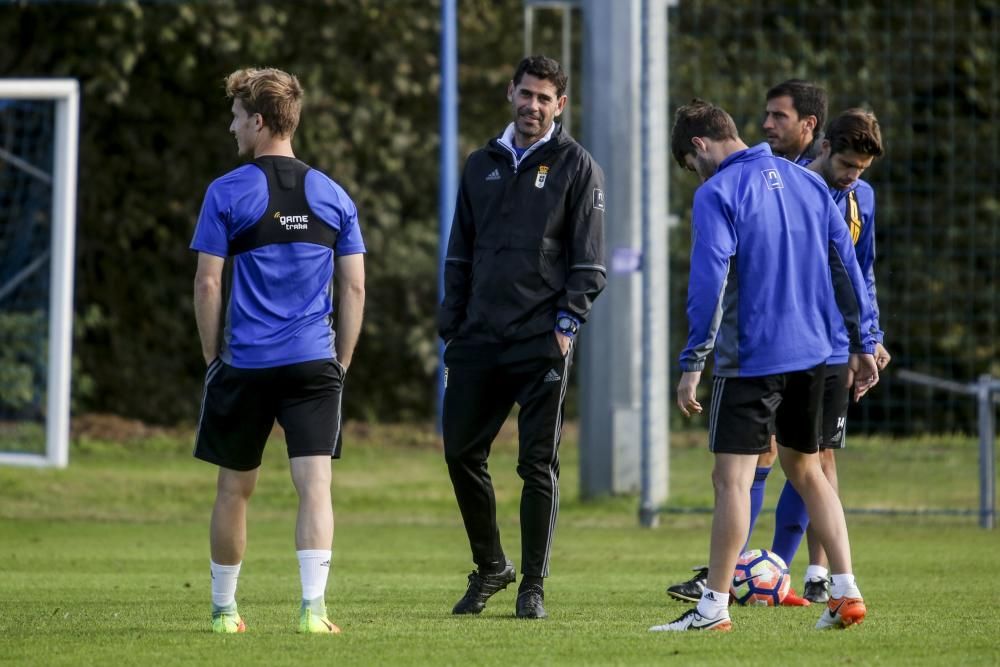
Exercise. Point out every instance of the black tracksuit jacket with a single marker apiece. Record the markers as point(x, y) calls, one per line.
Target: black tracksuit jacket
point(525, 243)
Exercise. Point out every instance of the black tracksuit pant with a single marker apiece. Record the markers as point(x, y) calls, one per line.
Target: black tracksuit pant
point(483, 381)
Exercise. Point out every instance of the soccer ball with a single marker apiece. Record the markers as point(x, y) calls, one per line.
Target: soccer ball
point(761, 579)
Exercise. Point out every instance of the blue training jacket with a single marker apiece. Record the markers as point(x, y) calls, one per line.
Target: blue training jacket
point(767, 238)
point(857, 209)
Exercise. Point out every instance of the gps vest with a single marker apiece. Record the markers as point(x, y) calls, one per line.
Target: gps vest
point(288, 218)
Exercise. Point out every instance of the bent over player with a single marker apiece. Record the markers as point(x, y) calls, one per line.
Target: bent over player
point(794, 113)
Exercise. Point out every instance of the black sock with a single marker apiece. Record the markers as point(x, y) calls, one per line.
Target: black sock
point(528, 580)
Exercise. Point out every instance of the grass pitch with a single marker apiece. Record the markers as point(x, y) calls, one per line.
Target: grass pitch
point(107, 563)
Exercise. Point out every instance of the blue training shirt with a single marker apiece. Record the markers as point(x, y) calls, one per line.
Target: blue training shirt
point(767, 239)
point(281, 303)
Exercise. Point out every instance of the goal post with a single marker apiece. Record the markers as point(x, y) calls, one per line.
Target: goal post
point(64, 94)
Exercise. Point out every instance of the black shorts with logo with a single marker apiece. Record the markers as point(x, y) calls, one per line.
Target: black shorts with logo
point(836, 398)
point(746, 412)
point(240, 406)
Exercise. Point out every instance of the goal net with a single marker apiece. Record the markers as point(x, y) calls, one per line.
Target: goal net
point(38, 161)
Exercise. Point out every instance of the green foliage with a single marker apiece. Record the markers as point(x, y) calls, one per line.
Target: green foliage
point(154, 135)
point(23, 362)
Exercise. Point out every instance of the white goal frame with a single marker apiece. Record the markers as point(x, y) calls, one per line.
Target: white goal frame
point(66, 95)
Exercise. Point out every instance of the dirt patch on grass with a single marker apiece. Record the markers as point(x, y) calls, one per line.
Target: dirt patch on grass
point(114, 428)
point(110, 428)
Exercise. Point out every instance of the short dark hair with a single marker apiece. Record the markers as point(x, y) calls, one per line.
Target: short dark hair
point(543, 67)
point(699, 119)
point(808, 98)
point(855, 130)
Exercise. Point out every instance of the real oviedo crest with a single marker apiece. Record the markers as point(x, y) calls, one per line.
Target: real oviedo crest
point(543, 171)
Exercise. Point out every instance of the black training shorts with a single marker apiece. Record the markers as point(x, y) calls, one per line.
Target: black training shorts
point(240, 406)
point(836, 398)
point(745, 412)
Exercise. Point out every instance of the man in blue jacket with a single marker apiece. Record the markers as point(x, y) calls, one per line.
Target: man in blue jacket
point(767, 239)
point(794, 113)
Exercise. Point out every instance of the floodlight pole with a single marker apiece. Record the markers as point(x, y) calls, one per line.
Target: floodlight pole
point(654, 486)
point(624, 440)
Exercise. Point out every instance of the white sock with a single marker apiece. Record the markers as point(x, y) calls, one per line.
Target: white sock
point(816, 572)
point(224, 578)
point(314, 568)
point(844, 586)
point(713, 603)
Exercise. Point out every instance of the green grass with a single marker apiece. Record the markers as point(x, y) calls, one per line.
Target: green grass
point(106, 563)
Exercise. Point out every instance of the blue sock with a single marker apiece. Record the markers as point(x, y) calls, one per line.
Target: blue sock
point(790, 522)
point(756, 498)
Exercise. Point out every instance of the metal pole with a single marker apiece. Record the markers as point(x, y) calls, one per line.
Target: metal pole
point(648, 515)
point(611, 346)
point(567, 60)
point(654, 451)
point(987, 459)
point(448, 186)
point(529, 29)
point(566, 57)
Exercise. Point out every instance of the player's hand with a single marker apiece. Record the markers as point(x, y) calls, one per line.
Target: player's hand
point(564, 343)
point(687, 389)
point(862, 374)
point(882, 356)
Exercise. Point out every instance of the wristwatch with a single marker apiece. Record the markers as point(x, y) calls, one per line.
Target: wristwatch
point(566, 325)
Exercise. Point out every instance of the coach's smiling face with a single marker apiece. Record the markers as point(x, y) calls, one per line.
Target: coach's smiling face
point(536, 104)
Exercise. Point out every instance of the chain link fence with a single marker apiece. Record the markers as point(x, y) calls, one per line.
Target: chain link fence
point(928, 69)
